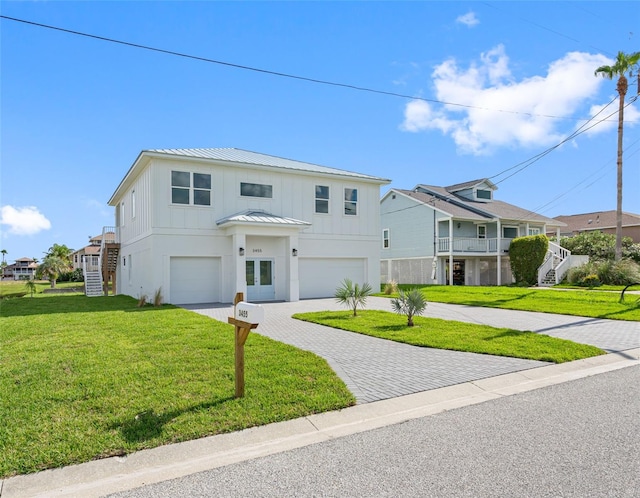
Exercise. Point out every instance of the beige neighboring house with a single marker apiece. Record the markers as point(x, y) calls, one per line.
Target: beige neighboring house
point(89, 254)
point(602, 221)
point(22, 269)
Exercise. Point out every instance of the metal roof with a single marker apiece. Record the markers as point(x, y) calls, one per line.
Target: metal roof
point(261, 217)
point(247, 157)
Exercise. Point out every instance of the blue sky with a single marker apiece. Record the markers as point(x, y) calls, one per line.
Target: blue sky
point(518, 78)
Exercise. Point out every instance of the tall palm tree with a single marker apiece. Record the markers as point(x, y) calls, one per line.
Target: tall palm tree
point(4, 253)
point(624, 63)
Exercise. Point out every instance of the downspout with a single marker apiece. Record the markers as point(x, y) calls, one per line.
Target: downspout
point(499, 269)
point(451, 251)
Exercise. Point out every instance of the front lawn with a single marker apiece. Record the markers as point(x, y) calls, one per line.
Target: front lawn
point(457, 336)
point(588, 303)
point(86, 378)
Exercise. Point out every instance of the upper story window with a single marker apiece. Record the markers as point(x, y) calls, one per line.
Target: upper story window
point(509, 232)
point(322, 199)
point(483, 194)
point(351, 201)
point(385, 238)
point(534, 231)
point(256, 190)
point(482, 231)
point(190, 188)
point(122, 218)
point(133, 203)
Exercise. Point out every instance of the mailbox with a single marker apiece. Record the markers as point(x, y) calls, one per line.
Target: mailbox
point(249, 313)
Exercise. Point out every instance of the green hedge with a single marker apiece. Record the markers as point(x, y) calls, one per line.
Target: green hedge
point(526, 254)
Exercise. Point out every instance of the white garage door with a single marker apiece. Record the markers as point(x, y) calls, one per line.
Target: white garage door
point(321, 277)
point(195, 280)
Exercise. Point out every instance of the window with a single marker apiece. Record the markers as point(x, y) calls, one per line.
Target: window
point(122, 214)
point(534, 231)
point(351, 201)
point(133, 203)
point(256, 190)
point(483, 194)
point(509, 232)
point(187, 188)
point(482, 231)
point(385, 238)
point(322, 199)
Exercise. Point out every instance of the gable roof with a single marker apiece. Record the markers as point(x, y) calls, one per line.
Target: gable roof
point(238, 158)
point(597, 220)
point(474, 183)
point(459, 207)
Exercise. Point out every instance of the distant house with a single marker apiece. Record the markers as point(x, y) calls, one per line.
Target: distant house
point(89, 254)
point(601, 221)
point(22, 269)
point(459, 235)
point(200, 225)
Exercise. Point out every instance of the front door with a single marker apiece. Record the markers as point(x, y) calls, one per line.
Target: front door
point(260, 280)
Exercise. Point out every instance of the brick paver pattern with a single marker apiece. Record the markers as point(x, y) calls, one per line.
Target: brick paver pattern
point(375, 369)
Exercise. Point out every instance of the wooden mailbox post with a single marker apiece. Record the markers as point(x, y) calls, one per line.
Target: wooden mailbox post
point(246, 316)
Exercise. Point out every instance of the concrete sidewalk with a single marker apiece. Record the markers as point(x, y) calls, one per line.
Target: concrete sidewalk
point(112, 475)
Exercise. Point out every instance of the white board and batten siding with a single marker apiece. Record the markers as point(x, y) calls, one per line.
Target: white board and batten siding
point(195, 280)
point(320, 277)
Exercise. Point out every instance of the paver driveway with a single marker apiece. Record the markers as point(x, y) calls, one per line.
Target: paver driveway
point(375, 369)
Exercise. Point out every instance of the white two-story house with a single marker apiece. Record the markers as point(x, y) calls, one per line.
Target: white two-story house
point(200, 225)
point(457, 235)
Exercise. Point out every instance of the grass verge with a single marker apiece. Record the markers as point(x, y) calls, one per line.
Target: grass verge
point(588, 303)
point(456, 336)
point(86, 378)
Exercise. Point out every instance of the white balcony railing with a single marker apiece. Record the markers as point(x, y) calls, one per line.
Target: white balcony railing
point(473, 245)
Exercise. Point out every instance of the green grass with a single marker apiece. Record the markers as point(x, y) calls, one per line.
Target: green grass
point(588, 303)
point(456, 336)
point(17, 288)
point(86, 378)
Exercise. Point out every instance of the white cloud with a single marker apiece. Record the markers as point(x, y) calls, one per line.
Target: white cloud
point(495, 110)
point(469, 19)
point(23, 220)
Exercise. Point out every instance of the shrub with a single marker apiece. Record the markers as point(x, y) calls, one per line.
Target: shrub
point(391, 287)
point(409, 303)
point(591, 281)
point(526, 254)
point(352, 295)
point(609, 272)
point(157, 297)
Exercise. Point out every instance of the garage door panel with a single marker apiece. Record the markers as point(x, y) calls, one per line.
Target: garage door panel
point(321, 277)
point(195, 280)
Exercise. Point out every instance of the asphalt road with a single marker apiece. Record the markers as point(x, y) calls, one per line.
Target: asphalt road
point(579, 438)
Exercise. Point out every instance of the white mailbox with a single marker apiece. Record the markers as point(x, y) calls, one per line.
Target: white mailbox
point(249, 312)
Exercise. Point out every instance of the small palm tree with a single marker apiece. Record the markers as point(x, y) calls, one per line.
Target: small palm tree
point(352, 295)
point(4, 253)
point(31, 286)
point(409, 303)
point(625, 63)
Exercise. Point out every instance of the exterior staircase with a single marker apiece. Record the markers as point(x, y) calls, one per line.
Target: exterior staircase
point(99, 271)
point(555, 266)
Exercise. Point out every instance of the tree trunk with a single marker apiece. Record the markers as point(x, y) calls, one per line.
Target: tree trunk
point(622, 91)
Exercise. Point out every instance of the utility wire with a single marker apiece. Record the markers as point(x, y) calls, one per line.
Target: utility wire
point(273, 73)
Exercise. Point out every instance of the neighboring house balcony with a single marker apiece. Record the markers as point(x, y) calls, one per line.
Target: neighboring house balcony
point(101, 268)
point(473, 245)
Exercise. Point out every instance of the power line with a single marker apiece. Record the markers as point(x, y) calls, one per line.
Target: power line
point(273, 73)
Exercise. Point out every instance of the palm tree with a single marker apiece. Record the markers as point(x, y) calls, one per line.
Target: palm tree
point(409, 303)
point(624, 63)
point(4, 253)
point(51, 268)
point(353, 295)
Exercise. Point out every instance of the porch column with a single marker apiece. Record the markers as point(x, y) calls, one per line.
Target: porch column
point(450, 251)
point(499, 269)
point(293, 248)
point(239, 245)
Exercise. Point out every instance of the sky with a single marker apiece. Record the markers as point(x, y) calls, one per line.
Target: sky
point(434, 93)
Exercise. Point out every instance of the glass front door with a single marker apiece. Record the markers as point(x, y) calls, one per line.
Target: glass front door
point(259, 274)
